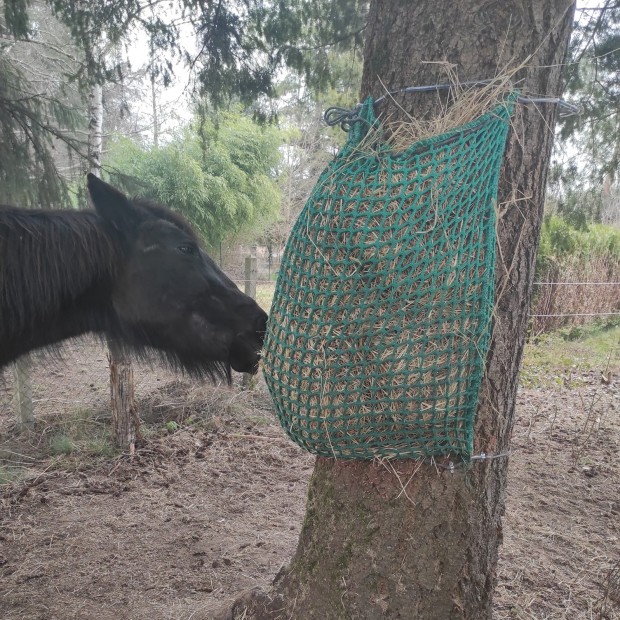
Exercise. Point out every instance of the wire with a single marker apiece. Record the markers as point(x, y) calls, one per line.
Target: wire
point(576, 283)
point(583, 314)
point(344, 117)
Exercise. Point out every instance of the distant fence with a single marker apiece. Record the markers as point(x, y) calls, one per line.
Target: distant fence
point(575, 290)
point(231, 258)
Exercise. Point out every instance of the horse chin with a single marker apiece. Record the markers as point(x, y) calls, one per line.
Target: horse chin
point(244, 354)
point(250, 368)
point(241, 352)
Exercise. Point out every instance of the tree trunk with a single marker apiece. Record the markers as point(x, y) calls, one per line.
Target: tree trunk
point(407, 539)
point(155, 115)
point(95, 128)
point(251, 275)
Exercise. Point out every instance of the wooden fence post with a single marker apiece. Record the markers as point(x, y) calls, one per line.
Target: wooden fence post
point(251, 271)
point(23, 392)
point(125, 417)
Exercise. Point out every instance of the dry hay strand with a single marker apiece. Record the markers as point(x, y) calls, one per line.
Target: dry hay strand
point(610, 598)
point(463, 104)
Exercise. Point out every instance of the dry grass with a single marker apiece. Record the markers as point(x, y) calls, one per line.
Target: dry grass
point(461, 106)
point(584, 301)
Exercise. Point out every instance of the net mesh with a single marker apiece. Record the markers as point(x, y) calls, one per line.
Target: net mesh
point(381, 317)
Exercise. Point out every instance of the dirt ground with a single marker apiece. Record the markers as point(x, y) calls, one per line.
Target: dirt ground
point(212, 501)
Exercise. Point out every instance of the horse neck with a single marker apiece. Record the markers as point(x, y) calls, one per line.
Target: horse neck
point(56, 274)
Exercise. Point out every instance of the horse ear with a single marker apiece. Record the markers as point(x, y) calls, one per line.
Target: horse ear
point(113, 206)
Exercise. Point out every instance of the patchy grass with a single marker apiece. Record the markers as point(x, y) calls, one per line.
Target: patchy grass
point(264, 295)
point(61, 444)
point(571, 356)
point(72, 439)
point(10, 474)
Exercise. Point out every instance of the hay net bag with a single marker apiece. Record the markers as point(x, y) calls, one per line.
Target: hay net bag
point(381, 317)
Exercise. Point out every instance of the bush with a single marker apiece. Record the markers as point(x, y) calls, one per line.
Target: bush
point(588, 256)
point(221, 176)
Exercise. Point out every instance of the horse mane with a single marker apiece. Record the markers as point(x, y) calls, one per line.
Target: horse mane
point(51, 259)
point(60, 251)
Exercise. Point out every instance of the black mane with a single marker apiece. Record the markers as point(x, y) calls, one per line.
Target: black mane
point(47, 257)
point(65, 253)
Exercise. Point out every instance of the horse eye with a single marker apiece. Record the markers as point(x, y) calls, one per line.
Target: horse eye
point(187, 249)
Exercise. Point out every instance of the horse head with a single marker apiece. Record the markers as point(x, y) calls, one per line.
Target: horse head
point(168, 295)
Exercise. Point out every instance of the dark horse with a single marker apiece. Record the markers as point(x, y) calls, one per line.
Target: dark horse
point(130, 271)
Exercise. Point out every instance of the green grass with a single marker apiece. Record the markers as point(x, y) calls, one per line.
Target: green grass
point(61, 444)
point(80, 433)
point(264, 295)
point(10, 474)
point(568, 353)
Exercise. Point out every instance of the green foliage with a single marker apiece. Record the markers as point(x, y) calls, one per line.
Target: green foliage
point(28, 122)
point(593, 81)
point(243, 47)
point(35, 116)
point(61, 444)
point(308, 35)
point(560, 240)
point(222, 180)
point(573, 198)
point(172, 426)
point(16, 17)
point(242, 44)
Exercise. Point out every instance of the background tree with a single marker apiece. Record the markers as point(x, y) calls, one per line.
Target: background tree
point(585, 188)
point(238, 48)
point(409, 540)
point(38, 118)
point(222, 180)
point(593, 81)
point(308, 143)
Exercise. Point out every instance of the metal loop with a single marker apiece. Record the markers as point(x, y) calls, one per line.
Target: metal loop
point(342, 116)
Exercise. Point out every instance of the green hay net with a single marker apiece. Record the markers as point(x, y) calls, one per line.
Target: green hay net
point(381, 318)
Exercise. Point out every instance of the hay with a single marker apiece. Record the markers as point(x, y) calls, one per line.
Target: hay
point(468, 105)
point(381, 314)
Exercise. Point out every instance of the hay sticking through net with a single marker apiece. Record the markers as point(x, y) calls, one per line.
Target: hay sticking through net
point(381, 316)
point(468, 104)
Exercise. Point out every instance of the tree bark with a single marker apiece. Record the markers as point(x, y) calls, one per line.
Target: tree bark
point(408, 539)
point(155, 115)
point(125, 418)
point(95, 128)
